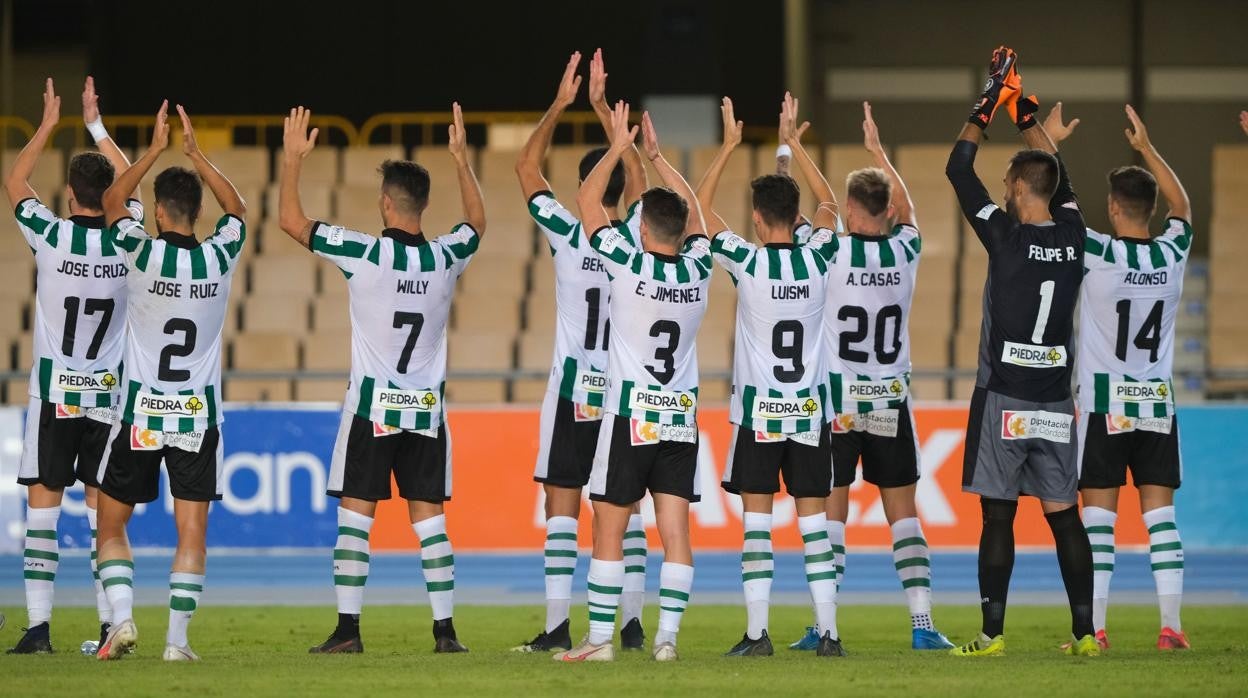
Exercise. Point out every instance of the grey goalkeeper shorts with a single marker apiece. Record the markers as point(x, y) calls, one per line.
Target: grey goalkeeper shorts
point(1018, 447)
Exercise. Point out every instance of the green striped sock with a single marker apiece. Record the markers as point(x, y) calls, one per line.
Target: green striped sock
point(437, 561)
point(40, 562)
point(185, 589)
point(351, 560)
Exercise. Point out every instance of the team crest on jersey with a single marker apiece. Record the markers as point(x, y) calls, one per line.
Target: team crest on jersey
point(868, 391)
point(145, 439)
point(1036, 424)
point(821, 236)
point(609, 240)
point(152, 405)
point(1121, 424)
point(1032, 355)
point(334, 237)
point(231, 230)
point(547, 209)
point(1139, 392)
point(582, 412)
point(591, 381)
point(664, 401)
point(76, 382)
point(29, 207)
point(423, 400)
point(700, 245)
point(785, 407)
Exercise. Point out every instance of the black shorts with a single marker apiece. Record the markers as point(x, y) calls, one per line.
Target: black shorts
point(1019, 447)
point(565, 455)
point(754, 467)
point(363, 462)
point(1152, 457)
point(59, 451)
point(623, 472)
point(131, 474)
point(887, 461)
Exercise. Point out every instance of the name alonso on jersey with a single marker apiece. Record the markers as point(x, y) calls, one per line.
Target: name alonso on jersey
point(1140, 278)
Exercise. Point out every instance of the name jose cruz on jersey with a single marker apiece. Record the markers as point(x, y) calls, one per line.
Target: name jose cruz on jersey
point(92, 271)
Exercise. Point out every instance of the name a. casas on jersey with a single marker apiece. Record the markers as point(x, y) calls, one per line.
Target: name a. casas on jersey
point(1036, 424)
point(1032, 355)
point(786, 408)
point(97, 271)
point(873, 278)
point(152, 405)
point(670, 294)
point(671, 402)
point(176, 289)
point(423, 399)
point(1126, 391)
point(868, 391)
point(75, 382)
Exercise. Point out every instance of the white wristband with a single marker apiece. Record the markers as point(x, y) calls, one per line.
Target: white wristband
point(97, 130)
point(784, 151)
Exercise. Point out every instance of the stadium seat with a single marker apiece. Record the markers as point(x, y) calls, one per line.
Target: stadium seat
point(486, 311)
point(715, 350)
point(929, 389)
point(528, 391)
point(12, 316)
point(476, 392)
point(15, 391)
point(539, 313)
point(321, 390)
point(480, 351)
point(7, 357)
point(563, 171)
point(966, 348)
point(264, 351)
point(283, 275)
point(331, 313)
point(490, 271)
point(736, 173)
point(327, 350)
point(360, 163)
point(24, 354)
point(841, 159)
point(246, 166)
point(316, 197)
point(356, 207)
point(321, 167)
point(257, 390)
point(273, 313)
point(929, 346)
point(19, 270)
point(48, 179)
point(232, 326)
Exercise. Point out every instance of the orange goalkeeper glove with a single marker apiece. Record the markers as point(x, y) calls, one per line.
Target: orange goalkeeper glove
point(1003, 87)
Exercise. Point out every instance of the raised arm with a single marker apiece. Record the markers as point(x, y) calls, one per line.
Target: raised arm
point(1243, 121)
point(1169, 184)
point(594, 216)
point(529, 164)
point(17, 182)
point(1002, 88)
point(469, 189)
point(672, 179)
point(296, 144)
point(903, 207)
point(636, 180)
point(791, 133)
point(128, 180)
point(95, 125)
point(710, 180)
point(226, 195)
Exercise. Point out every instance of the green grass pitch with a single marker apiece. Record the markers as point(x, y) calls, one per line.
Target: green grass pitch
point(263, 651)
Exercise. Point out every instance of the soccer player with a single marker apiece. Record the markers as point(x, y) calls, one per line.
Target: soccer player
point(178, 290)
point(1019, 439)
point(1128, 303)
point(649, 435)
point(394, 419)
point(779, 380)
point(80, 310)
point(572, 408)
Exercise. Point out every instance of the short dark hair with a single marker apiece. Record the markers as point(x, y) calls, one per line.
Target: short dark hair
point(665, 212)
point(870, 187)
point(776, 197)
point(1037, 169)
point(180, 192)
point(406, 183)
point(89, 175)
point(1135, 190)
point(615, 185)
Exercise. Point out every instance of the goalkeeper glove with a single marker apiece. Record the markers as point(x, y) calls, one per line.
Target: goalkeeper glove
point(1023, 111)
point(1002, 87)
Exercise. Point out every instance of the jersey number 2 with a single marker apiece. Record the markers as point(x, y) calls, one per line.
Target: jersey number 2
point(93, 306)
point(165, 372)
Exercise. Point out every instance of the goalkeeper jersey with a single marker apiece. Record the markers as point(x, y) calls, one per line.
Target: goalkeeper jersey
point(178, 293)
point(1128, 304)
point(400, 288)
point(79, 316)
point(656, 308)
point(866, 321)
point(582, 329)
point(778, 372)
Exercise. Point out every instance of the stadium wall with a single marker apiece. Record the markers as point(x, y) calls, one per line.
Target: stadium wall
point(277, 461)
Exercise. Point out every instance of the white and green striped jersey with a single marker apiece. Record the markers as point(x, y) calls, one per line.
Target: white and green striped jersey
point(400, 286)
point(80, 306)
point(582, 330)
point(779, 379)
point(866, 321)
point(656, 307)
point(179, 290)
point(1130, 297)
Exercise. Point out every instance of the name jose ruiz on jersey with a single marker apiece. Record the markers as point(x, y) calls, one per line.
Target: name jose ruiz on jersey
point(175, 289)
point(98, 271)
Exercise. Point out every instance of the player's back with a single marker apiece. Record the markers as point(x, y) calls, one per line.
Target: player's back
point(1129, 303)
point(400, 286)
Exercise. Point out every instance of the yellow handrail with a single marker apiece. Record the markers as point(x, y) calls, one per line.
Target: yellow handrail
point(258, 124)
point(14, 122)
point(427, 121)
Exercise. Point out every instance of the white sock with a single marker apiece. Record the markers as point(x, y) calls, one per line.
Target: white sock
point(102, 607)
point(1099, 523)
point(606, 583)
point(758, 567)
point(633, 600)
point(41, 559)
point(820, 571)
point(914, 568)
point(1165, 551)
point(117, 576)
point(351, 559)
point(675, 583)
point(184, 592)
point(560, 566)
point(437, 560)
point(836, 538)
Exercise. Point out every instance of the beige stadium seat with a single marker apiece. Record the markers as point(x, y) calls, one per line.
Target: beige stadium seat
point(264, 351)
point(480, 351)
point(535, 351)
point(839, 160)
point(676, 158)
point(736, 173)
point(357, 207)
point(1228, 349)
point(273, 313)
point(284, 275)
point(966, 348)
point(528, 391)
point(211, 212)
point(714, 350)
point(320, 390)
point(510, 238)
point(963, 388)
point(542, 275)
point(476, 392)
point(244, 165)
point(7, 354)
point(715, 391)
point(18, 273)
point(929, 389)
point(15, 391)
point(490, 272)
point(12, 316)
point(24, 353)
point(438, 160)
point(257, 390)
point(327, 351)
point(360, 162)
point(539, 314)
point(929, 347)
point(316, 197)
point(563, 170)
point(321, 167)
point(486, 311)
point(48, 179)
point(497, 167)
point(232, 325)
point(331, 313)
point(721, 313)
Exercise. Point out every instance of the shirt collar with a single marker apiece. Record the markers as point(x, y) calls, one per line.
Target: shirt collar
point(88, 221)
point(186, 242)
point(403, 237)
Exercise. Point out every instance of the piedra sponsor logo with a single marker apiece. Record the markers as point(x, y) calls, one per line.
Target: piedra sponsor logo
point(659, 401)
point(1140, 392)
point(170, 405)
point(74, 382)
point(1033, 356)
point(867, 391)
point(591, 381)
point(423, 400)
point(785, 408)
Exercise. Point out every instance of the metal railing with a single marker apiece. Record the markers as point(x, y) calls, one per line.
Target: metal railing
point(137, 128)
